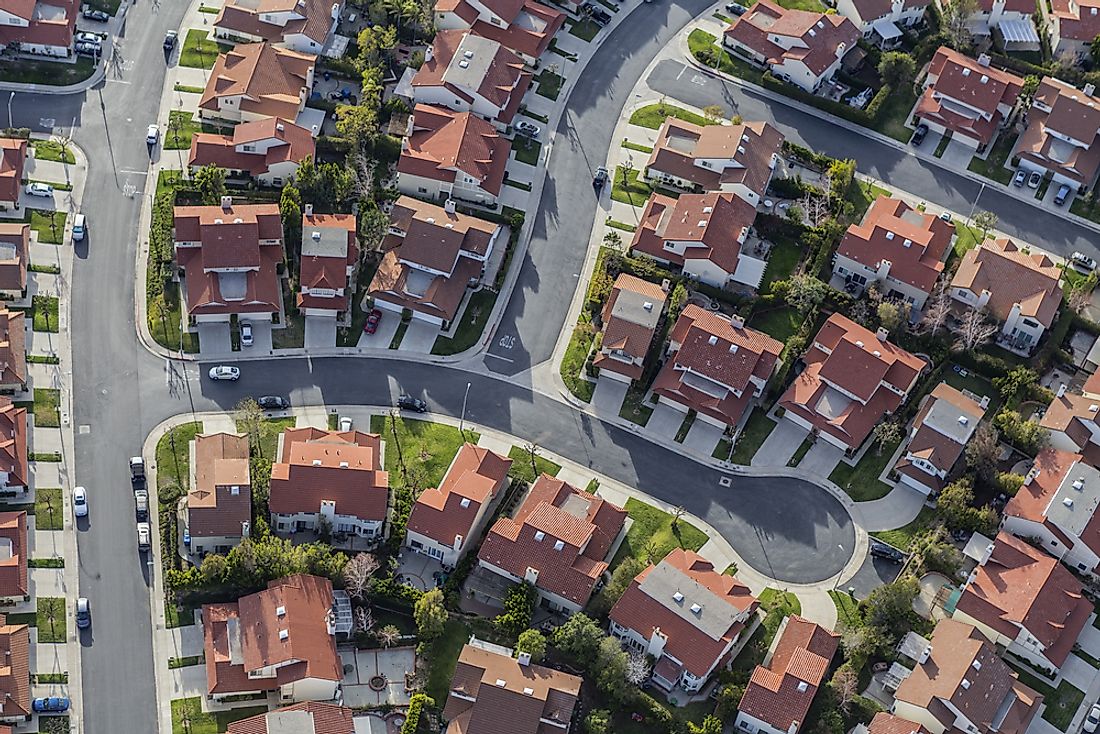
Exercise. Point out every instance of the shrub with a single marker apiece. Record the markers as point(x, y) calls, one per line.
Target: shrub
point(416, 708)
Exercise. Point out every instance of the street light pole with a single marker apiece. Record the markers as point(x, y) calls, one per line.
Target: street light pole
point(10, 98)
point(975, 204)
point(462, 419)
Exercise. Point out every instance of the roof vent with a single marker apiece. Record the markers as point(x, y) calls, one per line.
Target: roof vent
point(976, 665)
point(539, 535)
point(1094, 407)
point(712, 340)
point(238, 220)
point(280, 611)
point(859, 344)
point(501, 683)
point(678, 597)
point(741, 149)
point(1079, 484)
point(702, 223)
point(877, 353)
point(465, 502)
point(343, 465)
point(889, 235)
point(963, 420)
point(984, 79)
point(696, 609)
point(559, 544)
point(218, 220)
point(317, 462)
point(1092, 11)
point(965, 683)
point(802, 686)
point(468, 54)
point(316, 235)
point(1068, 502)
point(648, 305)
point(820, 24)
point(708, 209)
point(907, 243)
point(464, 64)
point(966, 72)
point(279, 127)
point(528, 691)
point(284, 635)
point(733, 349)
point(813, 33)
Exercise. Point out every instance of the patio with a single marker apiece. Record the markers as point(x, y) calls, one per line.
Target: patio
point(378, 677)
point(418, 570)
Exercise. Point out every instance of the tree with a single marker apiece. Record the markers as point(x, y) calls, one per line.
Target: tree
point(364, 620)
point(373, 225)
point(387, 636)
point(637, 668)
point(845, 686)
point(897, 69)
point(805, 292)
point(1028, 436)
point(955, 506)
point(611, 669)
point(358, 123)
point(533, 643)
point(954, 23)
point(676, 301)
point(621, 578)
point(579, 638)
point(519, 605)
point(891, 606)
point(250, 417)
point(358, 574)
point(598, 721)
point(1011, 384)
point(711, 725)
point(985, 221)
point(937, 310)
point(982, 452)
point(210, 181)
point(290, 209)
point(862, 641)
point(677, 513)
point(430, 614)
point(890, 315)
point(1031, 86)
point(532, 451)
point(885, 434)
point(974, 331)
point(714, 112)
point(1094, 50)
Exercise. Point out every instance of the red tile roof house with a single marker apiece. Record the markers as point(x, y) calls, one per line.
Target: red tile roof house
point(14, 550)
point(716, 366)
point(434, 256)
point(310, 717)
point(854, 378)
point(1073, 24)
point(1017, 288)
point(453, 154)
point(887, 723)
point(899, 248)
point(267, 150)
point(306, 26)
point(944, 424)
point(685, 614)
point(630, 319)
point(736, 159)
point(493, 692)
point(14, 467)
point(15, 244)
point(524, 26)
point(1071, 420)
point(1025, 602)
point(229, 256)
point(333, 477)
point(13, 350)
point(800, 46)
point(328, 257)
point(560, 540)
point(13, 159)
point(42, 28)
point(961, 684)
point(219, 500)
point(467, 73)
point(779, 693)
point(447, 520)
point(705, 235)
point(280, 639)
point(255, 81)
point(15, 674)
point(968, 97)
point(1063, 125)
point(881, 21)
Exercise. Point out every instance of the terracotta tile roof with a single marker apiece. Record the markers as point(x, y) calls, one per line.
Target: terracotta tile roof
point(1074, 415)
point(342, 467)
point(714, 222)
point(52, 23)
point(940, 435)
point(13, 158)
point(221, 466)
point(1072, 115)
point(630, 319)
point(966, 96)
point(15, 239)
point(310, 717)
point(13, 554)
point(13, 352)
point(271, 81)
point(296, 144)
point(476, 477)
point(1012, 276)
point(13, 443)
point(751, 146)
point(509, 698)
point(15, 673)
point(781, 693)
point(645, 607)
point(438, 296)
point(887, 723)
point(1078, 20)
point(913, 242)
point(530, 33)
point(312, 18)
point(19, 8)
point(990, 685)
point(813, 38)
point(328, 249)
point(435, 238)
point(586, 526)
point(444, 142)
point(1050, 468)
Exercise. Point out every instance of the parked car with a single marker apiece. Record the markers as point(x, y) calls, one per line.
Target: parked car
point(80, 502)
point(945, 216)
point(1020, 178)
point(50, 705)
point(599, 15)
point(83, 613)
point(187, 538)
point(87, 37)
point(84, 48)
point(345, 424)
point(884, 550)
point(273, 402)
point(39, 189)
point(736, 9)
point(246, 334)
point(1082, 261)
point(152, 134)
point(170, 39)
point(919, 134)
point(408, 402)
point(1062, 195)
point(1034, 180)
point(225, 372)
point(80, 227)
point(600, 177)
point(529, 129)
point(1092, 719)
point(137, 467)
point(97, 15)
point(143, 536)
point(373, 319)
point(141, 505)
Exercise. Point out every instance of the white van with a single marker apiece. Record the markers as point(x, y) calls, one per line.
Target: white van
point(79, 228)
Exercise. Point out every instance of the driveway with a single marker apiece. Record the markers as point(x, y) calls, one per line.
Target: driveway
point(703, 437)
point(957, 153)
point(1089, 640)
point(419, 337)
point(320, 331)
point(261, 337)
point(897, 509)
point(1078, 672)
point(214, 339)
point(608, 397)
point(665, 421)
point(821, 459)
point(780, 445)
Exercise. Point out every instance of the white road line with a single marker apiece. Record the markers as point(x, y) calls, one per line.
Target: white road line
point(497, 356)
point(136, 173)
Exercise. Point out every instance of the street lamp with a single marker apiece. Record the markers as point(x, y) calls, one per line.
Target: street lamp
point(10, 98)
point(462, 419)
point(975, 204)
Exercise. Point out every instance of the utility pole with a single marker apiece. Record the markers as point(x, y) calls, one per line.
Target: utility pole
point(462, 419)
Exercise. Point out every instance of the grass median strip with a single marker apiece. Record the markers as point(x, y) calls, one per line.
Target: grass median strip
point(50, 618)
point(52, 150)
point(47, 407)
point(46, 563)
point(199, 52)
point(572, 364)
point(49, 510)
point(44, 314)
point(521, 465)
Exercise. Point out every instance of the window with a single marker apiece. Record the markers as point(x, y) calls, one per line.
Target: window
point(422, 190)
point(248, 148)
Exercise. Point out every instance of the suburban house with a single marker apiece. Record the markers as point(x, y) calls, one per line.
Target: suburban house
point(1061, 136)
point(967, 97)
point(433, 256)
point(854, 378)
point(493, 692)
point(280, 639)
point(15, 674)
point(882, 21)
point(38, 27)
point(1024, 601)
point(333, 478)
point(219, 500)
point(1071, 420)
point(685, 614)
point(560, 540)
point(708, 236)
point(229, 257)
point(309, 717)
point(715, 365)
point(14, 549)
point(268, 150)
point(254, 81)
point(467, 73)
point(306, 26)
point(524, 26)
point(15, 244)
point(736, 159)
point(779, 693)
point(630, 319)
point(14, 466)
point(959, 683)
point(1073, 24)
point(1056, 508)
point(944, 424)
point(802, 47)
point(886, 723)
point(896, 247)
point(1017, 288)
point(13, 350)
point(13, 159)
point(447, 520)
point(1010, 18)
point(329, 254)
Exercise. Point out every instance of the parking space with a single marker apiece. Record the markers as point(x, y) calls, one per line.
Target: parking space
point(383, 335)
point(261, 336)
point(665, 421)
point(420, 336)
point(956, 153)
point(821, 459)
point(609, 395)
point(703, 436)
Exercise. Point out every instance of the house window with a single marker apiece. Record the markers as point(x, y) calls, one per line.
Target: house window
point(422, 190)
point(248, 148)
point(1031, 324)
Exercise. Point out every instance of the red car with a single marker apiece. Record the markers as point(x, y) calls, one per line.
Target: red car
point(373, 319)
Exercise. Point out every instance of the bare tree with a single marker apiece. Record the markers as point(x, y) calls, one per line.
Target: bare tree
point(250, 417)
point(955, 23)
point(532, 450)
point(845, 685)
point(1078, 300)
point(974, 331)
point(387, 636)
point(937, 310)
point(637, 668)
point(816, 203)
point(886, 433)
point(677, 513)
point(362, 170)
point(358, 573)
point(364, 620)
point(714, 112)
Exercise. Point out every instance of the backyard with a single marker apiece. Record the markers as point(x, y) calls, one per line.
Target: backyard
point(778, 322)
point(655, 533)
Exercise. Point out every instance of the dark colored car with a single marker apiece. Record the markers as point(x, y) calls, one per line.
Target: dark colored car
point(273, 402)
point(373, 319)
point(96, 15)
point(736, 9)
point(51, 705)
point(919, 134)
point(600, 177)
point(1062, 195)
point(408, 402)
point(599, 15)
point(884, 550)
point(170, 39)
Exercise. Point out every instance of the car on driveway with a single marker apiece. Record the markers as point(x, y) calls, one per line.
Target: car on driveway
point(408, 402)
point(919, 134)
point(246, 334)
point(83, 48)
point(1082, 261)
point(884, 550)
point(373, 319)
point(1062, 195)
point(83, 613)
point(529, 129)
point(80, 502)
point(97, 15)
point(1092, 719)
point(1020, 177)
point(599, 15)
point(50, 705)
point(39, 189)
point(224, 372)
point(272, 402)
point(87, 37)
point(736, 9)
point(1034, 180)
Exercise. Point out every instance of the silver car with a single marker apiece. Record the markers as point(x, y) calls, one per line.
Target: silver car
point(225, 372)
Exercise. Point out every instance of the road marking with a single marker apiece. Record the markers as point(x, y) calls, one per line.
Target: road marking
point(682, 70)
point(118, 81)
point(84, 429)
point(507, 342)
point(46, 122)
point(700, 80)
point(136, 173)
point(725, 481)
point(497, 356)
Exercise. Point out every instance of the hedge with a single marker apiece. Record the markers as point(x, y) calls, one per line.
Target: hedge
point(389, 588)
point(416, 708)
point(866, 117)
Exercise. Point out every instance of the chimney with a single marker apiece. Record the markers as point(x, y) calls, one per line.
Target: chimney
point(983, 60)
point(524, 658)
point(924, 655)
point(712, 340)
point(458, 542)
point(986, 555)
point(666, 285)
point(227, 202)
point(737, 321)
point(279, 127)
point(309, 210)
point(245, 527)
point(881, 334)
point(449, 206)
point(793, 728)
point(335, 11)
point(648, 306)
point(985, 402)
point(1090, 89)
point(1061, 390)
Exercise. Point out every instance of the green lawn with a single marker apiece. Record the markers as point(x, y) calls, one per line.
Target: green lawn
point(472, 325)
point(443, 654)
point(861, 481)
point(1081, 207)
point(903, 536)
point(49, 225)
point(521, 185)
point(181, 127)
point(967, 238)
point(863, 195)
point(654, 115)
point(49, 509)
point(778, 322)
point(653, 536)
point(270, 430)
point(526, 150)
point(199, 52)
point(50, 616)
point(636, 408)
point(777, 605)
point(50, 73)
point(176, 617)
point(994, 165)
point(614, 224)
point(165, 320)
point(1061, 702)
point(704, 47)
point(895, 113)
point(189, 718)
point(549, 84)
point(630, 145)
point(975, 383)
point(800, 453)
point(627, 189)
point(811, 5)
point(293, 333)
point(187, 89)
point(847, 608)
point(47, 407)
point(722, 449)
point(586, 29)
point(51, 150)
point(427, 446)
point(756, 431)
point(44, 313)
point(173, 455)
point(945, 140)
point(782, 260)
point(580, 344)
point(521, 465)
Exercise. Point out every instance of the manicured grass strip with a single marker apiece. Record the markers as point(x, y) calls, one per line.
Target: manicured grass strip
point(47, 407)
point(399, 335)
point(46, 563)
point(755, 432)
point(653, 534)
point(185, 662)
point(902, 537)
point(620, 225)
point(50, 678)
point(469, 330)
point(628, 189)
point(585, 30)
point(189, 718)
point(44, 314)
point(636, 146)
point(428, 447)
point(580, 344)
point(521, 465)
point(199, 52)
point(187, 89)
point(685, 426)
point(861, 481)
point(526, 150)
point(50, 614)
point(173, 455)
point(48, 269)
point(49, 510)
point(48, 225)
point(945, 140)
point(847, 608)
point(57, 185)
point(654, 115)
point(549, 84)
point(800, 452)
point(52, 150)
point(49, 456)
point(442, 656)
point(522, 186)
point(208, 10)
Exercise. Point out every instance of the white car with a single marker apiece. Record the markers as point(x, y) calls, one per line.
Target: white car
point(1092, 720)
point(529, 129)
point(80, 502)
point(152, 135)
point(224, 372)
point(246, 334)
point(39, 189)
point(345, 424)
point(1083, 261)
point(86, 37)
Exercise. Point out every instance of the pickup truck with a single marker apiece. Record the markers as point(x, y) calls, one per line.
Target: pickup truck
point(143, 536)
point(141, 504)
